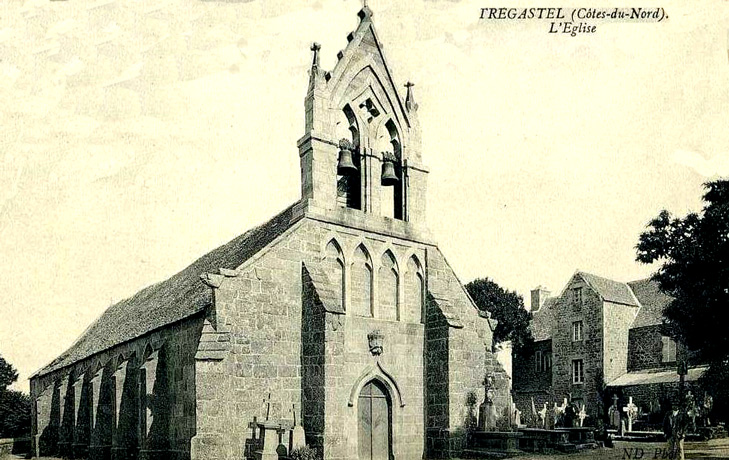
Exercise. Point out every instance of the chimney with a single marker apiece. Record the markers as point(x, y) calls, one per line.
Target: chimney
point(539, 295)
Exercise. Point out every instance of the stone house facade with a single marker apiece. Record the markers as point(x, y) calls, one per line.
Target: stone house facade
point(597, 339)
point(342, 295)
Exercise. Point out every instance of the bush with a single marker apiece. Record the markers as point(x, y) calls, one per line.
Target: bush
point(304, 453)
point(14, 414)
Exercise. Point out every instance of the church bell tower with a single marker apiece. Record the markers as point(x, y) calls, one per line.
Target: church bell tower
point(360, 153)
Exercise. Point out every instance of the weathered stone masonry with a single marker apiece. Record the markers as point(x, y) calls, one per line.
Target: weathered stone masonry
point(295, 318)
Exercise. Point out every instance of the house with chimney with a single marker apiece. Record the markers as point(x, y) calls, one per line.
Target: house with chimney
point(600, 338)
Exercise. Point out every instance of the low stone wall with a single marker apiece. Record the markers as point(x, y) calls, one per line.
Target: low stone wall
point(16, 446)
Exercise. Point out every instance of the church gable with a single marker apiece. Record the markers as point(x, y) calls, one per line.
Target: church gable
point(363, 56)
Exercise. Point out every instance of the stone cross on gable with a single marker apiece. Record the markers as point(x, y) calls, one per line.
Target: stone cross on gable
point(582, 415)
point(315, 47)
point(631, 410)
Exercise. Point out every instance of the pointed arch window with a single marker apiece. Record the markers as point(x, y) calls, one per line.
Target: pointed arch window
point(349, 186)
point(334, 266)
point(389, 280)
point(392, 196)
point(414, 291)
point(361, 286)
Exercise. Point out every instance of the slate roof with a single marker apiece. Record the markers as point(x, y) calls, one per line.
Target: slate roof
point(177, 298)
point(609, 290)
point(543, 320)
point(652, 301)
point(656, 376)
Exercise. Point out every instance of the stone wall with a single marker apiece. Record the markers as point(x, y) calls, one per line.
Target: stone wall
point(531, 383)
point(94, 407)
point(617, 320)
point(462, 351)
point(279, 349)
point(318, 356)
point(645, 348)
point(589, 349)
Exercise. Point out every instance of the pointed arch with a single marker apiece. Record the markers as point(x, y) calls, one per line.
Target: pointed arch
point(361, 273)
point(349, 187)
point(389, 286)
point(392, 202)
point(333, 264)
point(414, 291)
point(379, 373)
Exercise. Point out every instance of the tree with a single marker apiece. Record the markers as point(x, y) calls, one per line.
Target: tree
point(693, 253)
point(507, 307)
point(8, 374)
point(14, 405)
point(694, 256)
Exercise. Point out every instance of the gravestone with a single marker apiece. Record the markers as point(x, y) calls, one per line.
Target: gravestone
point(298, 436)
point(582, 415)
point(614, 413)
point(631, 410)
point(543, 416)
point(706, 409)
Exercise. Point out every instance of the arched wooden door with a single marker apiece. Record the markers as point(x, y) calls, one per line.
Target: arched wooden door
point(375, 422)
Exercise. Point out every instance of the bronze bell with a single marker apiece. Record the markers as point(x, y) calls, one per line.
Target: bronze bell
point(388, 173)
point(345, 166)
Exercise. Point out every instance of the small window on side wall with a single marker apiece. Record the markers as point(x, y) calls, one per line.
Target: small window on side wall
point(577, 331)
point(578, 372)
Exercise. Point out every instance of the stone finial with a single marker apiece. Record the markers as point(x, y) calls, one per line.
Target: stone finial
point(365, 12)
point(315, 48)
point(409, 98)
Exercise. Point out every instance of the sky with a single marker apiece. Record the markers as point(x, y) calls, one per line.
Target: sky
point(137, 136)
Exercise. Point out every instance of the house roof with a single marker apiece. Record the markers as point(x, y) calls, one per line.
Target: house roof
point(543, 320)
point(169, 301)
point(656, 376)
point(609, 290)
point(652, 301)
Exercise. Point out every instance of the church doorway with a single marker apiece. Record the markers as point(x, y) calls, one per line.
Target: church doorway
point(375, 422)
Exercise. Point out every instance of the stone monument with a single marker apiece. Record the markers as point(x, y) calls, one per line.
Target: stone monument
point(487, 414)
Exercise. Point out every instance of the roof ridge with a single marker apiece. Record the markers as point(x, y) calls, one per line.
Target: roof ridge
point(170, 300)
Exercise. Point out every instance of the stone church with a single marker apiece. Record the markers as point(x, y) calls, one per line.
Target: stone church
point(340, 314)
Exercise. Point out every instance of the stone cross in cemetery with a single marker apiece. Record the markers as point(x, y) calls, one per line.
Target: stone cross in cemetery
point(614, 413)
point(582, 415)
point(543, 416)
point(298, 436)
point(631, 410)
